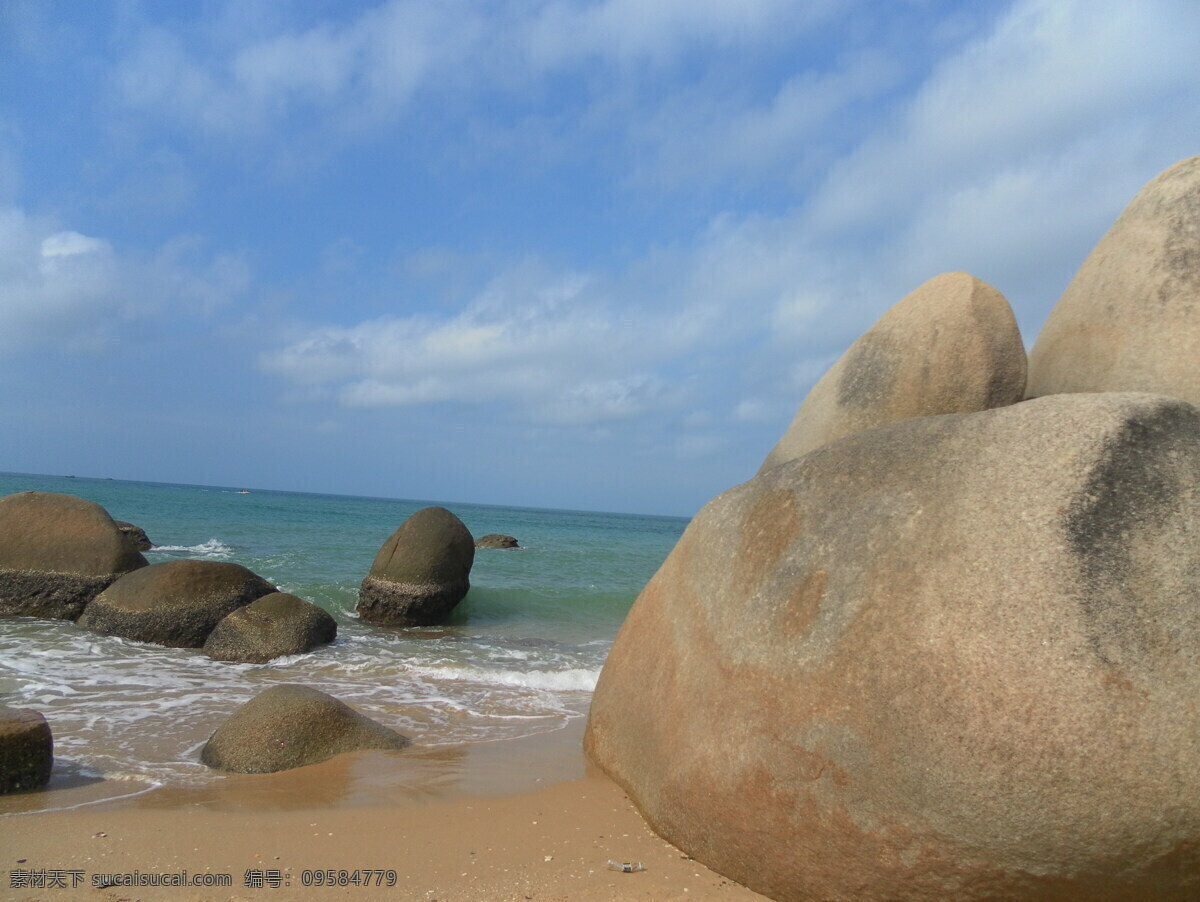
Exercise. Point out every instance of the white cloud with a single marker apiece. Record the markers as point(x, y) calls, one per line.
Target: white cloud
point(1051, 74)
point(755, 410)
point(73, 291)
point(54, 284)
point(364, 69)
point(559, 347)
point(70, 244)
point(713, 133)
point(634, 30)
point(1010, 159)
point(543, 341)
point(354, 73)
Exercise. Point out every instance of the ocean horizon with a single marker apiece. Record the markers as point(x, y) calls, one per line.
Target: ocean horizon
point(519, 656)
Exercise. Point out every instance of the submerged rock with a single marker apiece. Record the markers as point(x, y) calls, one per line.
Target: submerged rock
point(948, 658)
point(26, 750)
point(421, 572)
point(496, 540)
point(177, 603)
point(1130, 319)
point(57, 553)
point(275, 625)
point(291, 726)
point(950, 346)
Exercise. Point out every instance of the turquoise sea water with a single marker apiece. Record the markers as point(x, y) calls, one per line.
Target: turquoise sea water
point(520, 655)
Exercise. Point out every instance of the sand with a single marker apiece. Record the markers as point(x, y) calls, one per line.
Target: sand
point(530, 819)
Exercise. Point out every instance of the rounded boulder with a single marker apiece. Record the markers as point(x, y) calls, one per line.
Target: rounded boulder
point(275, 625)
point(1130, 319)
point(176, 603)
point(421, 572)
point(290, 726)
point(26, 750)
point(950, 346)
point(57, 553)
point(948, 658)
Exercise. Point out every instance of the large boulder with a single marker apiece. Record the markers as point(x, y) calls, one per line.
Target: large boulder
point(57, 553)
point(291, 726)
point(1130, 319)
point(421, 572)
point(26, 750)
point(948, 658)
point(176, 603)
point(275, 625)
point(950, 346)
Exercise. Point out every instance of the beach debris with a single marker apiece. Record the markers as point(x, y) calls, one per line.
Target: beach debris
point(57, 553)
point(421, 572)
point(270, 627)
point(26, 750)
point(290, 726)
point(626, 867)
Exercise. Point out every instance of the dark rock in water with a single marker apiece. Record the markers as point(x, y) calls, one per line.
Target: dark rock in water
point(57, 553)
point(947, 658)
point(275, 625)
point(496, 540)
point(177, 603)
point(291, 726)
point(1130, 319)
point(421, 572)
point(136, 535)
point(26, 750)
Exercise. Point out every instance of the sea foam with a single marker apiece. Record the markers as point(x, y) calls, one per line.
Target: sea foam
point(213, 548)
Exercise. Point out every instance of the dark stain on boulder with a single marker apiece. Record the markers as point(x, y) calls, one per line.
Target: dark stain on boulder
point(870, 371)
point(1134, 488)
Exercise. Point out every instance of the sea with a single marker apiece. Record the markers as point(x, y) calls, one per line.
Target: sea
point(519, 656)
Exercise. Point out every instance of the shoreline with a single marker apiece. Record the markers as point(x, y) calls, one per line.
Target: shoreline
point(513, 819)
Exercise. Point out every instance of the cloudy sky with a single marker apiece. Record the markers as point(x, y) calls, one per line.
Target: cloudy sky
point(553, 253)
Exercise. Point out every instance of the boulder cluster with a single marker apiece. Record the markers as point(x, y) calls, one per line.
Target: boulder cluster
point(64, 557)
point(58, 553)
point(945, 645)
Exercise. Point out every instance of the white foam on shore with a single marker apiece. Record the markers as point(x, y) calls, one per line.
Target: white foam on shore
point(573, 680)
point(133, 711)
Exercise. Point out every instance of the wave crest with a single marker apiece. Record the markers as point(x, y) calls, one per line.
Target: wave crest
point(211, 548)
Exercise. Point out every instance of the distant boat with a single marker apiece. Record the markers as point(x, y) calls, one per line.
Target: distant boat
point(243, 492)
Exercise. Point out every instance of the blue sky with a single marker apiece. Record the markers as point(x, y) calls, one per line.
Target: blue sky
point(546, 253)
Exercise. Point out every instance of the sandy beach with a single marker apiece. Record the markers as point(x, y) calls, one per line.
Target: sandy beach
point(527, 819)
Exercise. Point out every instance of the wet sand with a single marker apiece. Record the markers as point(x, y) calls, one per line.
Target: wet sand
point(525, 819)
